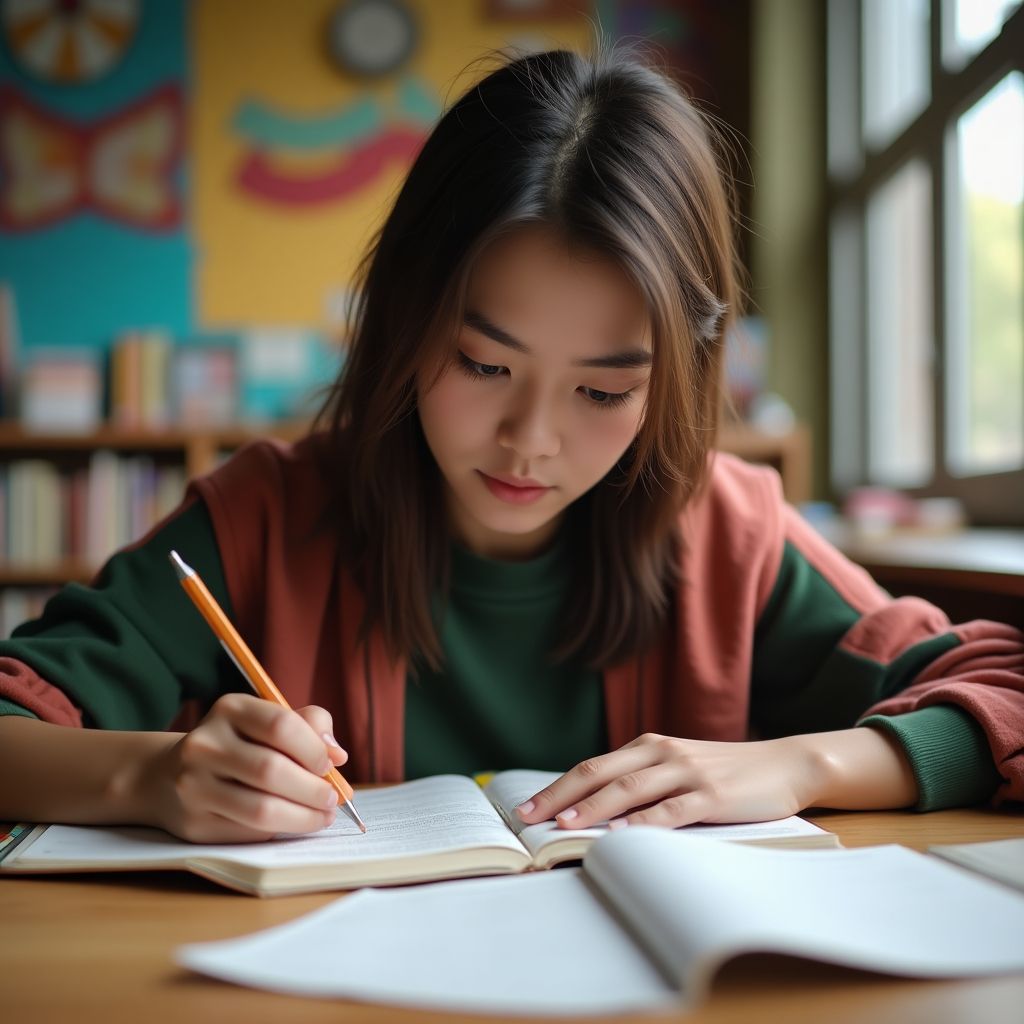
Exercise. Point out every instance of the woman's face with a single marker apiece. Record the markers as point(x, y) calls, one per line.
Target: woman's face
point(545, 393)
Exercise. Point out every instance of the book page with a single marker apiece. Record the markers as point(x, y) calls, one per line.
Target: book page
point(439, 814)
point(510, 788)
point(529, 944)
point(412, 819)
point(1001, 859)
point(695, 904)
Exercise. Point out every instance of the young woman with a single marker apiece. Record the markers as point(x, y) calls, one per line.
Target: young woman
point(509, 544)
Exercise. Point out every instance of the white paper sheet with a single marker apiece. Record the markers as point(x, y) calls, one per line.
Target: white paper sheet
point(533, 944)
point(548, 944)
point(882, 908)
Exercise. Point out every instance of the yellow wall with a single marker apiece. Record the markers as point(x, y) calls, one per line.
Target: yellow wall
point(257, 263)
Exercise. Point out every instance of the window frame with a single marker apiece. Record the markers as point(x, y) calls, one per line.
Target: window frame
point(854, 172)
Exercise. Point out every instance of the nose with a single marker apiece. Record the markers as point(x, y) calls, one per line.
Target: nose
point(529, 427)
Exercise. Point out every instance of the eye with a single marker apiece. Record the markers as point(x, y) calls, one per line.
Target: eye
point(606, 399)
point(475, 370)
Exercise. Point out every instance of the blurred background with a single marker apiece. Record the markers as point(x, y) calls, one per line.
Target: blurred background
point(186, 188)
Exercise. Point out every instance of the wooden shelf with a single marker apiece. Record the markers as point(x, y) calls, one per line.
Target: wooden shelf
point(199, 448)
point(54, 575)
point(14, 436)
point(196, 449)
point(970, 574)
point(789, 454)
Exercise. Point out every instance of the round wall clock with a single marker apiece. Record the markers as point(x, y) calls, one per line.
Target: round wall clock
point(370, 38)
point(69, 41)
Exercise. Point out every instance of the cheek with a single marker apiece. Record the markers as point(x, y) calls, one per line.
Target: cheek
point(451, 411)
point(608, 435)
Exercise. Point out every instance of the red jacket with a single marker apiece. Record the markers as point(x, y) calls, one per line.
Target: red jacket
point(280, 571)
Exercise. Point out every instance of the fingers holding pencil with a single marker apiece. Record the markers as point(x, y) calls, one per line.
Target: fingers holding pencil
point(248, 771)
point(254, 673)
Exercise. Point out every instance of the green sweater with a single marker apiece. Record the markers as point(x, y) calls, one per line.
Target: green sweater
point(130, 651)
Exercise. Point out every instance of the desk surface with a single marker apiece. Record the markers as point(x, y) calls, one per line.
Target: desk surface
point(98, 948)
point(979, 559)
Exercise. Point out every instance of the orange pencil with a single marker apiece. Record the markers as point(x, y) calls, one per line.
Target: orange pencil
point(246, 663)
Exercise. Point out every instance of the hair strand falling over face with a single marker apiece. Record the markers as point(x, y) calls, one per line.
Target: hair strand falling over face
point(611, 155)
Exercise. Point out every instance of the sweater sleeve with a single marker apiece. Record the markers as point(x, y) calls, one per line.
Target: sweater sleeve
point(129, 650)
point(833, 650)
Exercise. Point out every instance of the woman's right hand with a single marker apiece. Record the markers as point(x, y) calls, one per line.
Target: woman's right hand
point(248, 771)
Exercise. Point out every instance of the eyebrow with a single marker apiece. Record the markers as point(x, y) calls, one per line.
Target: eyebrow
point(630, 359)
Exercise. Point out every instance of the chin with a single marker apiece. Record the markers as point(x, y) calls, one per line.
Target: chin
point(522, 524)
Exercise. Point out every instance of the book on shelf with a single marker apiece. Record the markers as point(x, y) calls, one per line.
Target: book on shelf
point(19, 604)
point(9, 345)
point(140, 394)
point(205, 384)
point(34, 514)
point(61, 389)
point(643, 926)
point(444, 826)
point(50, 516)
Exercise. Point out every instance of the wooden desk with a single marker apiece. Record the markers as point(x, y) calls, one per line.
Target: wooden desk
point(98, 948)
point(972, 574)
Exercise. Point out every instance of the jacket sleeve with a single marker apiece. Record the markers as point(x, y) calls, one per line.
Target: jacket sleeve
point(127, 651)
point(833, 650)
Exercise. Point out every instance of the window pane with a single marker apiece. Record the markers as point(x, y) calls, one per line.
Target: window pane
point(975, 23)
point(899, 329)
point(896, 79)
point(846, 362)
point(843, 74)
point(985, 379)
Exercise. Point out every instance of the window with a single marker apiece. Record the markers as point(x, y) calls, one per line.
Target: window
point(926, 267)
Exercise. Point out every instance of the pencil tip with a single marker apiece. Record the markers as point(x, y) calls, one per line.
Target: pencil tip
point(354, 815)
point(178, 562)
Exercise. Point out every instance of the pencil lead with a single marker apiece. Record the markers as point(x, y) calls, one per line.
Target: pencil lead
point(354, 815)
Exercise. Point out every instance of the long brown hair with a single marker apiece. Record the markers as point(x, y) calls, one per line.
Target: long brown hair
point(611, 154)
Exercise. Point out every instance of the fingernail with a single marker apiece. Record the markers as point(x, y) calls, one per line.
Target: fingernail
point(568, 815)
point(525, 807)
point(330, 740)
point(618, 823)
point(331, 800)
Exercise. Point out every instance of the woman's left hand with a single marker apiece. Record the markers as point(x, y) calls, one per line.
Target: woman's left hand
point(662, 780)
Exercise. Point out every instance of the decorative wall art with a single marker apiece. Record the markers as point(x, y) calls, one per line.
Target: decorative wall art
point(305, 119)
point(93, 171)
point(120, 167)
point(69, 41)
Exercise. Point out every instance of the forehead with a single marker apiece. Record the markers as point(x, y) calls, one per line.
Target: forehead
point(531, 281)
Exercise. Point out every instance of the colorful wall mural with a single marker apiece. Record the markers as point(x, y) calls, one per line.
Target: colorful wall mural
point(94, 232)
point(219, 166)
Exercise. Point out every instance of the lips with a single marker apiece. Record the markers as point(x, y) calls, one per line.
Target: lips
point(515, 490)
point(516, 481)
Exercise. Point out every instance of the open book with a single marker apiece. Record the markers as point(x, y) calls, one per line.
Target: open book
point(444, 826)
point(643, 925)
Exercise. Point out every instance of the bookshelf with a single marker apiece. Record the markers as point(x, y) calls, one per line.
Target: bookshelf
point(197, 451)
point(192, 451)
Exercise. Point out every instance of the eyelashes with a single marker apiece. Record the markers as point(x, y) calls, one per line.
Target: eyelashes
point(607, 399)
point(476, 370)
point(488, 371)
